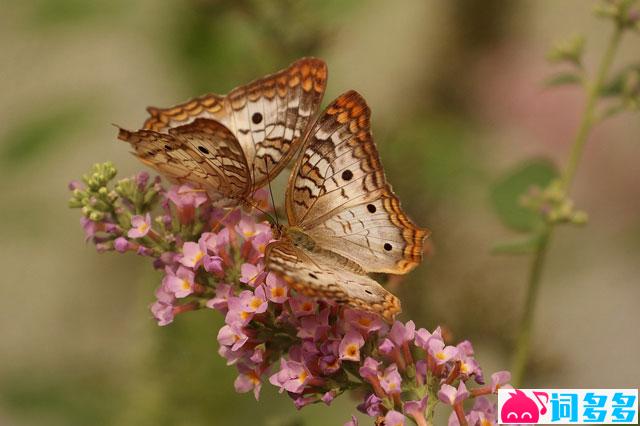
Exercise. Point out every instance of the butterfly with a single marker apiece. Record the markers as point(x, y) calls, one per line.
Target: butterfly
point(232, 145)
point(344, 219)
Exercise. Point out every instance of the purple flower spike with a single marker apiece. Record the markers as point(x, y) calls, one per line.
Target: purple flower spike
point(325, 348)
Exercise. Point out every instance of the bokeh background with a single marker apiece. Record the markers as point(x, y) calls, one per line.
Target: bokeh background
point(455, 89)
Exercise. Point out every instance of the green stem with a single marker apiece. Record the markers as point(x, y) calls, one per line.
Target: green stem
point(523, 341)
point(588, 117)
point(524, 337)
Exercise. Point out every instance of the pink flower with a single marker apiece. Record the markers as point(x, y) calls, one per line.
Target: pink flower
point(260, 241)
point(293, 376)
point(243, 307)
point(276, 289)
point(390, 380)
point(416, 409)
point(366, 322)
point(441, 353)
point(232, 337)
point(213, 264)
point(185, 196)
point(401, 333)
point(223, 292)
point(162, 308)
point(499, 379)
point(369, 369)
point(258, 302)
point(465, 348)
point(251, 274)
point(301, 306)
point(248, 379)
point(315, 327)
point(248, 227)
point(350, 345)
point(483, 413)
point(450, 395)
point(372, 406)
point(140, 226)
point(423, 337)
point(394, 418)
point(181, 283)
point(187, 200)
point(192, 254)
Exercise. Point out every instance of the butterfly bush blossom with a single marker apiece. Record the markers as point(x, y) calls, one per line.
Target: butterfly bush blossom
point(314, 350)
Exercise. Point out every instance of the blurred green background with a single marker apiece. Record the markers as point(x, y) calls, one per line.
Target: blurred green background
point(455, 89)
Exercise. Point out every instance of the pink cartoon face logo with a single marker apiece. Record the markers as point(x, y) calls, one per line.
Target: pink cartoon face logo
point(519, 408)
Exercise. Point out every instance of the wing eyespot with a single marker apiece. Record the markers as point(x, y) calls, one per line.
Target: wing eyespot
point(388, 246)
point(203, 150)
point(347, 175)
point(256, 118)
point(371, 208)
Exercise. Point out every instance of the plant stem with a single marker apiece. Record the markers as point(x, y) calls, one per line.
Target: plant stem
point(524, 336)
point(523, 341)
point(588, 117)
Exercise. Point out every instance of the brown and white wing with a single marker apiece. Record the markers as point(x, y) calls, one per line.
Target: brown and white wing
point(203, 153)
point(318, 276)
point(268, 116)
point(339, 195)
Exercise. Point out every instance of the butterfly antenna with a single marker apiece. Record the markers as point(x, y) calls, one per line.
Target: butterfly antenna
point(273, 203)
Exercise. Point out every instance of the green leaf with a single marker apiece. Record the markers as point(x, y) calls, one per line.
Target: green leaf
point(563, 79)
point(526, 246)
point(507, 192)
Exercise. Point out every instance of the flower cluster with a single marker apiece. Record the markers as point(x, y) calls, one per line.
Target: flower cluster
point(313, 349)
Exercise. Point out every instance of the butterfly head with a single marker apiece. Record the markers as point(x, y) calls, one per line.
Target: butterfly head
point(277, 230)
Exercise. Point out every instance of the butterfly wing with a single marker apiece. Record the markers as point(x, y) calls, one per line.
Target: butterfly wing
point(203, 153)
point(339, 195)
point(319, 276)
point(268, 116)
